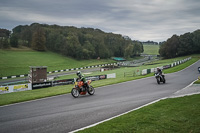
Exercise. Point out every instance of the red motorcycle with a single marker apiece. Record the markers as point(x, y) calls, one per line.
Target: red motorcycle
point(81, 89)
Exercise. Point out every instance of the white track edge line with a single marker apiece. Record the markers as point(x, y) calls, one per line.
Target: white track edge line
point(183, 89)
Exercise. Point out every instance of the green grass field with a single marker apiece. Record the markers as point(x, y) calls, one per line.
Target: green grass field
point(16, 62)
point(151, 49)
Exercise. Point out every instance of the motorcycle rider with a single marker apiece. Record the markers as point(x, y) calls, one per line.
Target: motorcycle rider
point(159, 71)
point(82, 78)
point(159, 76)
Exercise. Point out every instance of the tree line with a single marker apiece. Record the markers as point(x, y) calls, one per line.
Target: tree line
point(79, 43)
point(188, 43)
point(150, 43)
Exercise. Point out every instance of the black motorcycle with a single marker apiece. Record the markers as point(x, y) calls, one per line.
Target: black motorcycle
point(160, 78)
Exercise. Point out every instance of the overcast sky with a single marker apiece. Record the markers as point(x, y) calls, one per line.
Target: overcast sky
point(155, 20)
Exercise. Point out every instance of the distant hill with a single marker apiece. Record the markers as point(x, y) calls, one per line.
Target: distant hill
point(151, 49)
point(79, 43)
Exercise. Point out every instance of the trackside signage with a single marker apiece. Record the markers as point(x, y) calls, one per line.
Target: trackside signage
point(70, 81)
point(29, 86)
point(15, 88)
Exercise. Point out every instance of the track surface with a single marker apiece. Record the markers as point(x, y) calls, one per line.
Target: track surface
point(65, 113)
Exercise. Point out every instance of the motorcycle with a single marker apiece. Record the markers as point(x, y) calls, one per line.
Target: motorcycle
point(80, 89)
point(160, 78)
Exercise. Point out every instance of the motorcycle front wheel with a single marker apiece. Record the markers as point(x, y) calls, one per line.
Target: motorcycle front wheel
point(91, 90)
point(75, 93)
point(158, 81)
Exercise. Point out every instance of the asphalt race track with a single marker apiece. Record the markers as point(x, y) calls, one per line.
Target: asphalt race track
point(65, 113)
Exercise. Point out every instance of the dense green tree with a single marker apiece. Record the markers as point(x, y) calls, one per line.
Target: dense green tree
point(4, 44)
point(4, 38)
point(196, 41)
point(128, 51)
point(169, 48)
point(162, 50)
point(4, 33)
point(14, 41)
point(80, 43)
point(88, 50)
point(73, 47)
point(138, 48)
point(186, 44)
point(38, 39)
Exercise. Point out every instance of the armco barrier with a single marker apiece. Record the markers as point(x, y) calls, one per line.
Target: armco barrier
point(166, 66)
point(147, 71)
point(144, 72)
point(152, 70)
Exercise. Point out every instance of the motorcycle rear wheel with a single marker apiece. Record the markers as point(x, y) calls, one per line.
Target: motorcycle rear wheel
point(75, 93)
point(91, 90)
point(164, 81)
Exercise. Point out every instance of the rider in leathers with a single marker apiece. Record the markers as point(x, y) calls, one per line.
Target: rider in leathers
point(82, 78)
point(159, 71)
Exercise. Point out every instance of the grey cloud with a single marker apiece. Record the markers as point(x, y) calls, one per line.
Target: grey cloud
point(141, 20)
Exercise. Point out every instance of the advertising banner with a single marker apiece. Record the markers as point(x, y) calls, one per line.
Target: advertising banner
point(102, 77)
point(21, 87)
point(137, 72)
point(15, 88)
point(4, 89)
point(93, 78)
point(41, 85)
point(62, 82)
point(113, 75)
point(166, 66)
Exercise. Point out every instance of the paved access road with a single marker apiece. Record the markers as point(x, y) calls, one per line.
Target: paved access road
point(65, 113)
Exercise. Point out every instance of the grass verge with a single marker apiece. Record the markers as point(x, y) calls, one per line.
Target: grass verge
point(58, 90)
point(197, 82)
point(18, 62)
point(179, 115)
